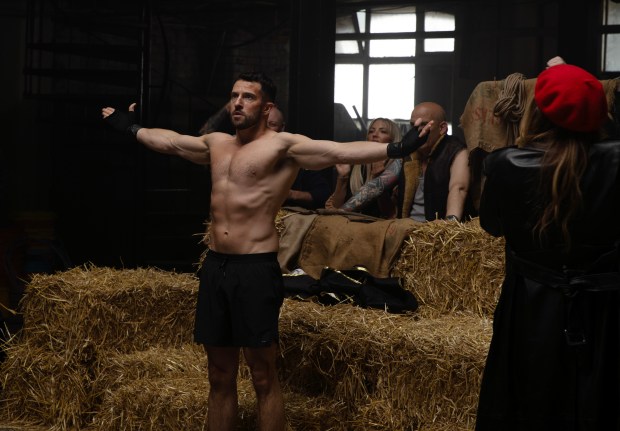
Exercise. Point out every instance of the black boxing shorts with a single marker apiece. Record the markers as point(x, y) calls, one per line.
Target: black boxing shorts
point(239, 300)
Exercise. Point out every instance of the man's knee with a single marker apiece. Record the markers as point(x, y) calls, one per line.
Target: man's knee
point(223, 367)
point(263, 379)
point(222, 378)
point(262, 363)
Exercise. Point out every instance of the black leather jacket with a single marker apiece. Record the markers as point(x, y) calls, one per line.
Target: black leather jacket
point(510, 202)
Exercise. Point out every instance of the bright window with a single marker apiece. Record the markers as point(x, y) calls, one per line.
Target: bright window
point(610, 37)
point(376, 68)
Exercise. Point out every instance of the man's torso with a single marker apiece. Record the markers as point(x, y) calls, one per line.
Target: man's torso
point(249, 183)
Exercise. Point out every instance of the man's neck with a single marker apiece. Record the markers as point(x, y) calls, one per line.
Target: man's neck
point(250, 134)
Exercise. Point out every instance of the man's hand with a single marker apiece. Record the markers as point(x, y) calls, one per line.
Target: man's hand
point(555, 61)
point(124, 122)
point(412, 140)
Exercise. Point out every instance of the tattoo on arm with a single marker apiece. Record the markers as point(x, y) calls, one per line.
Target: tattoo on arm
point(374, 188)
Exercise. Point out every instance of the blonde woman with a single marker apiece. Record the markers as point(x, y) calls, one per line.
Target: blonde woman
point(351, 178)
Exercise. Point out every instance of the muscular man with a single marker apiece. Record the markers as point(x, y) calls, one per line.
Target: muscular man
point(433, 182)
point(240, 291)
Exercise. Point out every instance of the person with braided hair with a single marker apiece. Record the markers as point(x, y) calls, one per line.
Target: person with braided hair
point(241, 286)
point(553, 362)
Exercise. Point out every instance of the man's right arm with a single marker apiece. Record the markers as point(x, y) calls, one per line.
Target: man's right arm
point(192, 148)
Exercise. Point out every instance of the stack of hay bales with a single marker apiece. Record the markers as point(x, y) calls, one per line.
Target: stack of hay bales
point(79, 322)
point(107, 349)
point(417, 371)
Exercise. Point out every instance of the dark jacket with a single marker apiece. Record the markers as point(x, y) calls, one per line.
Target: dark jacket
point(554, 358)
point(314, 182)
point(436, 181)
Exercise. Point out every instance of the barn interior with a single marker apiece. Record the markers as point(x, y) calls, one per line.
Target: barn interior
point(74, 192)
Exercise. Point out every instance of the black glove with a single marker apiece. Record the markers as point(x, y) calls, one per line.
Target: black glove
point(124, 122)
point(410, 142)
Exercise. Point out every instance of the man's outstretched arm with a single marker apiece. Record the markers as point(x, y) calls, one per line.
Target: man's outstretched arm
point(318, 154)
point(192, 148)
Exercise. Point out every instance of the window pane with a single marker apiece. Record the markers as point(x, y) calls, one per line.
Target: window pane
point(361, 20)
point(349, 86)
point(613, 13)
point(392, 48)
point(391, 90)
point(393, 20)
point(347, 47)
point(438, 21)
point(344, 24)
point(439, 45)
point(611, 47)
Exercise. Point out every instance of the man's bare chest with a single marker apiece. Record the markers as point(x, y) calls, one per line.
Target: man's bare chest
point(246, 164)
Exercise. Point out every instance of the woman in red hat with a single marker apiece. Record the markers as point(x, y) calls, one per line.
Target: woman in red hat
point(554, 362)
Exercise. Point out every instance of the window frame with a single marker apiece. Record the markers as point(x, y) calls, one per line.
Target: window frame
point(363, 57)
point(605, 30)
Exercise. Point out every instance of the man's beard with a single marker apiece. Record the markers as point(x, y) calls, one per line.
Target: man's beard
point(245, 122)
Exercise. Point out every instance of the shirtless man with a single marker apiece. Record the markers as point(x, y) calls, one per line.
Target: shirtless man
point(240, 290)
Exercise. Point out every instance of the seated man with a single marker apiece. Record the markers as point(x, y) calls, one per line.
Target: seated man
point(433, 182)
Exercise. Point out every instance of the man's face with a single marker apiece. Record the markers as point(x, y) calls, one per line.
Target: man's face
point(276, 120)
point(246, 104)
point(426, 114)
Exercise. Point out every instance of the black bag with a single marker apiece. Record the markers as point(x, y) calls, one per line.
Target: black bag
point(354, 285)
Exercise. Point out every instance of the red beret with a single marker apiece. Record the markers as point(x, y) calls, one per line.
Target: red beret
point(571, 98)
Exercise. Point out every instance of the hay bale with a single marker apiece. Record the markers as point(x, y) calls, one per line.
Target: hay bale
point(309, 413)
point(422, 370)
point(452, 267)
point(117, 369)
point(42, 387)
point(155, 405)
point(113, 349)
point(22, 426)
point(182, 372)
point(172, 404)
point(101, 308)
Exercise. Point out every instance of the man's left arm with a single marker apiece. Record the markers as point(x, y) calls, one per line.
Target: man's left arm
point(458, 186)
point(319, 154)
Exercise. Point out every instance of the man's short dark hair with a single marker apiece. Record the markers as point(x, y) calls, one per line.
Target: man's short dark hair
point(267, 86)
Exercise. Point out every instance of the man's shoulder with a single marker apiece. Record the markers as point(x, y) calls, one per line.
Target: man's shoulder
point(215, 138)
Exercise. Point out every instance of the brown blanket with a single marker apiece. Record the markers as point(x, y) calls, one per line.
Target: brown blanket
point(343, 242)
point(291, 238)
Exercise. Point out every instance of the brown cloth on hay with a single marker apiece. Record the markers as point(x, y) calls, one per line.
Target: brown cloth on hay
point(346, 241)
point(484, 130)
point(291, 238)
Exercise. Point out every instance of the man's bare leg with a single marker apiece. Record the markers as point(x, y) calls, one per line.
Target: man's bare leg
point(223, 404)
point(262, 363)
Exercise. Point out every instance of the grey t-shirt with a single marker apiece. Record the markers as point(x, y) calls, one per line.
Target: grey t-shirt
point(417, 209)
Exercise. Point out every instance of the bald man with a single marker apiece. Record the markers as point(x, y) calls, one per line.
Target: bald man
point(275, 121)
point(433, 182)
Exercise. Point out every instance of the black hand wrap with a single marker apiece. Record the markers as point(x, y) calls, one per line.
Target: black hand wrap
point(124, 122)
point(411, 142)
